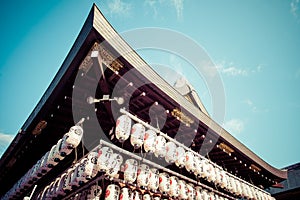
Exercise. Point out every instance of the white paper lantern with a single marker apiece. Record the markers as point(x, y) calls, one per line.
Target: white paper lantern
point(125, 194)
point(130, 170)
point(82, 172)
point(198, 166)
point(123, 128)
point(153, 179)
point(149, 141)
point(191, 191)
point(211, 173)
point(136, 195)
point(94, 192)
point(74, 175)
point(115, 163)
point(174, 187)
point(170, 152)
point(59, 189)
point(183, 191)
point(147, 196)
point(137, 135)
point(199, 195)
point(92, 168)
point(164, 183)
point(104, 154)
point(51, 157)
point(44, 166)
point(180, 157)
point(73, 137)
point(112, 192)
point(143, 175)
point(205, 195)
point(160, 147)
point(189, 161)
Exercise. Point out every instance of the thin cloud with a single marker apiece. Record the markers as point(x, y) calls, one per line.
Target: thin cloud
point(234, 126)
point(178, 4)
point(230, 69)
point(118, 7)
point(155, 6)
point(5, 140)
point(249, 103)
point(294, 8)
point(253, 107)
point(152, 5)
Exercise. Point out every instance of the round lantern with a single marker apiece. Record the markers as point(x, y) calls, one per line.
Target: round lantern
point(205, 165)
point(160, 147)
point(66, 187)
point(82, 172)
point(130, 170)
point(125, 193)
point(164, 182)
point(73, 137)
point(199, 196)
point(189, 161)
point(153, 179)
point(112, 192)
point(147, 196)
point(211, 173)
point(180, 157)
point(191, 191)
point(198, 166)
point(104, 155)
point(205, 194)
point(136, 195)
point(123, 128)
point(170, 152)
point(59, 189)
point(94, 192)
point(149, 141)
point(174, 187)
point(115, 163)
point(143, 175)
point(92, 167)
point(183, 191)
point(137, 135)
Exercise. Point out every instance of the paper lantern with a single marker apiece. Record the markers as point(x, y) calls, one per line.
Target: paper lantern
point(137, 135)
point(104, 154)
point(164, 183)
point(189, 161)
point(112, 192)
point(94, 192)
point(180, 157)
point(153, 179)
point(191, 191)
point(125, 194)
point(130, 170)
point(115, 163)
point(73, 137)
point(143, 175)
point(160, 147)
point(123, 128)
point(170, 152)
point(174, 187)
point(149, 141)
point(183, 191)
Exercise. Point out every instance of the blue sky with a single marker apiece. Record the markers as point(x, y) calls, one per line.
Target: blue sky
point(254, 44)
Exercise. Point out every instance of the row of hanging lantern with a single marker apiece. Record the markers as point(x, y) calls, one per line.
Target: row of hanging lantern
point(134, 174)
point(180, 190)
point(58, 152)
point(182, 157)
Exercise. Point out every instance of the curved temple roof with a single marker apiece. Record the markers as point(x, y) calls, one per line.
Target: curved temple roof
point(56, 110)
